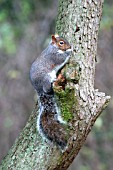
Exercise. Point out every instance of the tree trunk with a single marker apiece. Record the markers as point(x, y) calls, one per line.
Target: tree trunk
point(30, 152)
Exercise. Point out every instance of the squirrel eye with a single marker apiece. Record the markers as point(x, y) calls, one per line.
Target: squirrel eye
point(61, 42)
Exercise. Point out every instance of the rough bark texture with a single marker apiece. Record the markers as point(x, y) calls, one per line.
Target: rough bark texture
point(30, 151)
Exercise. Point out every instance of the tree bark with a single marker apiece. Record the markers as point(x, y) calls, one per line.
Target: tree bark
point(30, 152)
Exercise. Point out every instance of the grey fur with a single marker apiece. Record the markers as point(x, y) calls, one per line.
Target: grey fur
point(42, 74)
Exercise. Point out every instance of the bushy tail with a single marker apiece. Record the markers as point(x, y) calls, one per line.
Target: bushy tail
point(48, 124)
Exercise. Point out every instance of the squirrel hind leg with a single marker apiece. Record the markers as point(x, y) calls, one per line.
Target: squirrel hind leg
point(47, 87)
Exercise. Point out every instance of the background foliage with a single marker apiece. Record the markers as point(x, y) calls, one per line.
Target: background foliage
point(25, 28)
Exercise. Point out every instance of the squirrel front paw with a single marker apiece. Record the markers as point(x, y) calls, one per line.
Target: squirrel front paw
point(60, 81)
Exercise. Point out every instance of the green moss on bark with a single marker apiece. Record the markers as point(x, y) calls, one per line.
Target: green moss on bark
point(67, 101)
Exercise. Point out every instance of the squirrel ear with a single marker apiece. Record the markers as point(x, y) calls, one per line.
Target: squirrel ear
point(53, 39)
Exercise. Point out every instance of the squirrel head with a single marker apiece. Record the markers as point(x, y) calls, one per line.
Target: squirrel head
point(61, 43)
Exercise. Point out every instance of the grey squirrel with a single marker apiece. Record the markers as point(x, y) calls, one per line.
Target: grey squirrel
point(43, 73)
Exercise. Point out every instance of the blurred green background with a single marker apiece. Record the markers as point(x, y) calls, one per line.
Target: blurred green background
point(25, 27)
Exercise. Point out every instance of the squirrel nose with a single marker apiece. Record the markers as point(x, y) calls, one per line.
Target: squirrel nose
point(69, 50)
